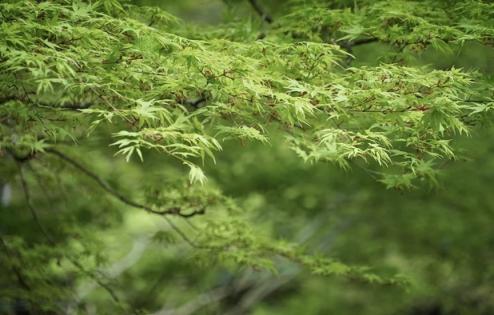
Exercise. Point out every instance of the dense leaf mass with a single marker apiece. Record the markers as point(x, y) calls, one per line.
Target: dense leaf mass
point(158, 90)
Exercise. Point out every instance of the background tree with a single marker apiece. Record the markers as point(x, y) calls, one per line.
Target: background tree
point(150, 163)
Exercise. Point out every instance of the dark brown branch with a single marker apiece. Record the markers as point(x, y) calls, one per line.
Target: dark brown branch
point(103, 184)
point(193, 213)
point(349, 44)
point(363, 41)
point(5, 99)
point(195, 103)
point(42, 104)
point(384, 111)
point(75, 106)
point(257, 7)
point(478, 101)
point(181, 233)
point(96, 279)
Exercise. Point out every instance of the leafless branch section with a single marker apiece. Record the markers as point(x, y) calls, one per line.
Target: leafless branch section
point(34, 214)
point(27, 197)
point(103, 184)
point(260, 10)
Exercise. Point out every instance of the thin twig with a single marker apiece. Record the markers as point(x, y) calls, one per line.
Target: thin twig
point(181, 233)
point(119, 196)
point(103, 184)
point(34, 214)
point(257, 7)
point(27, 197)
point(17, 272)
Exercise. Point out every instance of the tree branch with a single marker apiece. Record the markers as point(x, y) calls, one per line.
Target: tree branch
point(257, 7)
point(103, 184)
point(363, 41)
point(27, 197)
point(195, 103)
point(34, 214)
point(17, 272)
point(108, 188)
point(65, 106)
point(349, 44)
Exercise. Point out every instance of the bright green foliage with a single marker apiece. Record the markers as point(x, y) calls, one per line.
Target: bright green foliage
point(81, 81)
point(409, 25)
